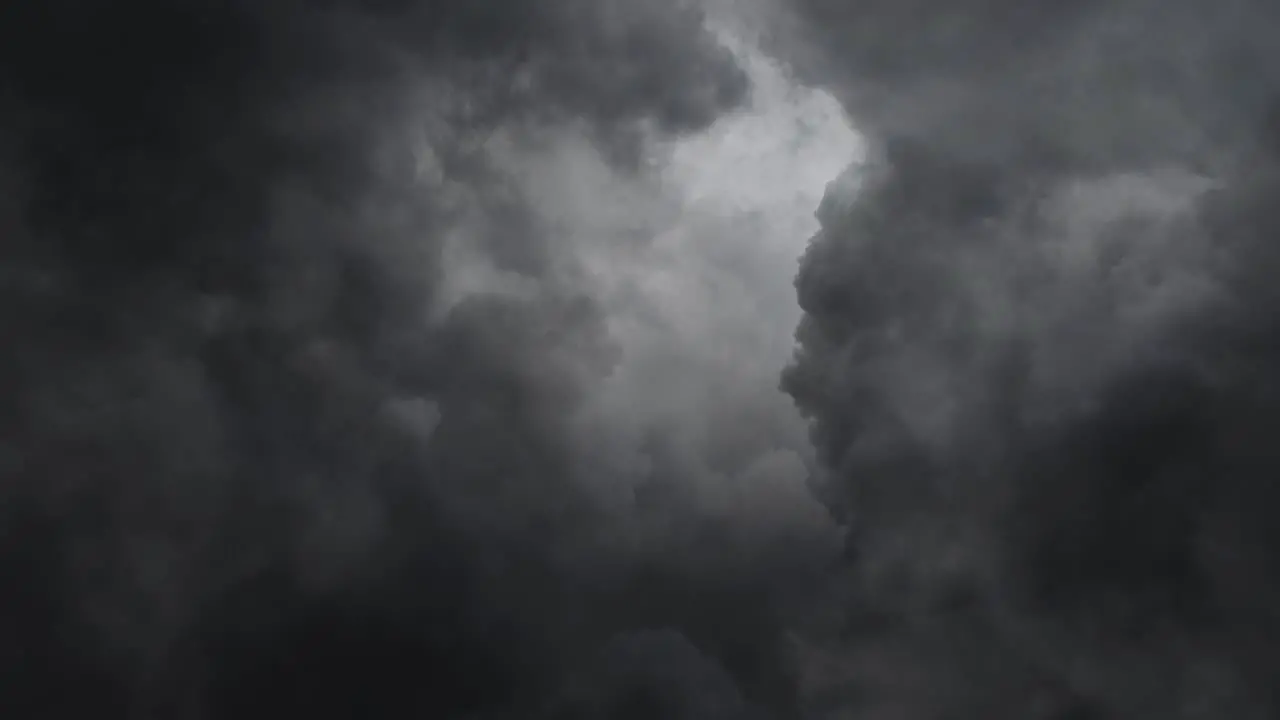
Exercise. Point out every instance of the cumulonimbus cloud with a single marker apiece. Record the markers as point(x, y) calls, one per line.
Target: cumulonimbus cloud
point(1033, 357)
point(327, 390)
point(421, 357)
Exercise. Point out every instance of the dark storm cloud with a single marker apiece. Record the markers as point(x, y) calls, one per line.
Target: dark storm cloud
point(254, 465)
point(1038, 359)
point(1098, 82)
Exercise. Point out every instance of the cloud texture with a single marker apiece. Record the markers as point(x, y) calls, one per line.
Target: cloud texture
point(420, 358)
point(1035, 357)
point(315, 389)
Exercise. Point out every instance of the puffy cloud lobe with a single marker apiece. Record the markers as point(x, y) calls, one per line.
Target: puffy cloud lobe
point(258, 460)
point(1033, 357)
point(1101, 84)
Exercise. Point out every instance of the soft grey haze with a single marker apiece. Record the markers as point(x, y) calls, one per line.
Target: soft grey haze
point(595, 359)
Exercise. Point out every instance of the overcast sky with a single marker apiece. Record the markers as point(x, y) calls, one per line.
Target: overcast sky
point(596, 359)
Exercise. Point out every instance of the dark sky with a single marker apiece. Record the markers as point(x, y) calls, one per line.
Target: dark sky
point(1037, 356)
point(260, 457)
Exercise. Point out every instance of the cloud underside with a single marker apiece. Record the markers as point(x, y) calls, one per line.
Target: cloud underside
point(1035, 357)
point(300, 374)
point(419, 358)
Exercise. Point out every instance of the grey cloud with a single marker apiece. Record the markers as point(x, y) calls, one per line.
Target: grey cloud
point(1033, 357)
point(258, 461)
point(1106, 84)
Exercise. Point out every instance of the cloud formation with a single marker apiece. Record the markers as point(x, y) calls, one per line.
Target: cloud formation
point(409, 357)
point(309, 369)
point(1034, 356)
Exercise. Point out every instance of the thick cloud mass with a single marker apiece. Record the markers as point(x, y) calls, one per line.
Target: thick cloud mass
point(296, 370)
point(420, 358)
point(1038, 358)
